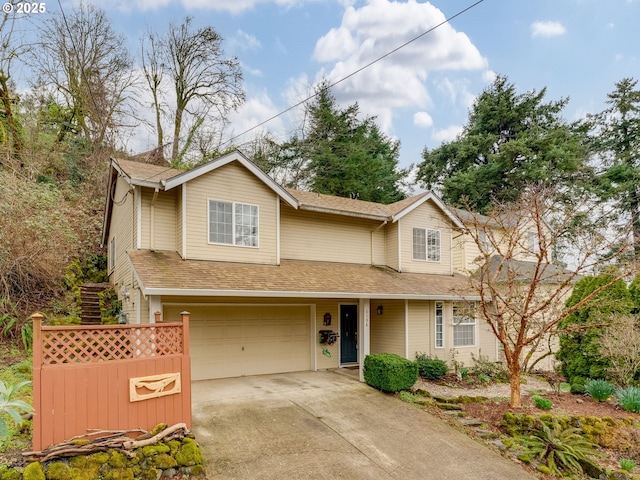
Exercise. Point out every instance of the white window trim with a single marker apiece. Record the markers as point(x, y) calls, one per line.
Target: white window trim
point(474, 323)
point(435, 324)
point(426, 245)
point(233, 223)
point(533, 242)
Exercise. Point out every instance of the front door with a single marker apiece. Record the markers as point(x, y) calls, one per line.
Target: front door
point(348, 334)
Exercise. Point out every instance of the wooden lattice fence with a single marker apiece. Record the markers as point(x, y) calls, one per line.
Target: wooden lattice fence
point(111, 377)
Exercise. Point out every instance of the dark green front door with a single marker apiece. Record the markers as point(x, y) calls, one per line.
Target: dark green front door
point(348, 333)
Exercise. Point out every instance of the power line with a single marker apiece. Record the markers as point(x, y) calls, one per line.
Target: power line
point(355, 72)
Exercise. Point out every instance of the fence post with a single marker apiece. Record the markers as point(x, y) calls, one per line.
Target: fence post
point(186, 369)
point(36, 426)
point(156, 317)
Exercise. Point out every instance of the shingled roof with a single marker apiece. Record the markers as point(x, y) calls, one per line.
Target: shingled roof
point(166, 273)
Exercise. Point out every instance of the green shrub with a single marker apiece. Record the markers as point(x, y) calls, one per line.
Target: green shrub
point(390, 372)
point(485, 368)
point(431, 368)
point(599, 389)
point(629, 399)
point(627, 465)
point(542, 403)
point(577, 385)
point(12, 406)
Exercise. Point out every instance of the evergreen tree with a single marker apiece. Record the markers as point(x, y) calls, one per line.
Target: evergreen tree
point(615, 140)
point(510, 140)
point(340, 154)
point(580, 332)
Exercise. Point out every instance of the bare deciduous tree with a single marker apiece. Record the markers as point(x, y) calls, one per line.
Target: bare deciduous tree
point(521, 283)
point(620, 344)
point(207, 85)
point(87, 62)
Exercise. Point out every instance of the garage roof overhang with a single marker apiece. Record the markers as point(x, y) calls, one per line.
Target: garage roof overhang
point(167, 274)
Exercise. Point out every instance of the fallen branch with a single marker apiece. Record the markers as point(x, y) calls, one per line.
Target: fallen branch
point(109, 440)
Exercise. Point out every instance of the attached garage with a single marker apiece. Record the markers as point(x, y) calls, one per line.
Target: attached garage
point(237, 340)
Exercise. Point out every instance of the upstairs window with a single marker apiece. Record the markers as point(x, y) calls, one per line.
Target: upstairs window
point(426, 244)
point(232, 223)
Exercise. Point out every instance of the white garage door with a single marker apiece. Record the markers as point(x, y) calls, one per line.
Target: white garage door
point(231, 341)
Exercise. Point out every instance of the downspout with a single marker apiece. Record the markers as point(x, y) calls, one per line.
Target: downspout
point(373, 232)
point(152, 231)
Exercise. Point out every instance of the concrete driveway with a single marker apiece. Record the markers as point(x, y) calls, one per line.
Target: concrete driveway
point(324, 425)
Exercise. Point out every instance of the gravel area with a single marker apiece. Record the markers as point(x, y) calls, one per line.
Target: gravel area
point(491, 391)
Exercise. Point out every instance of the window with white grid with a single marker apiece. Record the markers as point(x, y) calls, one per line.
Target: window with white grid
point(464, 324)
point(426, 244)
point(439, 330)
point(233, 223)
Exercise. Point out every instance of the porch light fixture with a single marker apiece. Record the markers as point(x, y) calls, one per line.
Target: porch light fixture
point(379, 310)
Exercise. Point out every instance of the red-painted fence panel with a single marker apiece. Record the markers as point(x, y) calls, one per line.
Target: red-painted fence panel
point(116, 377)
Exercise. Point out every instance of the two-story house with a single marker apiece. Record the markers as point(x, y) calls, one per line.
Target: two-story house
point(269, 274)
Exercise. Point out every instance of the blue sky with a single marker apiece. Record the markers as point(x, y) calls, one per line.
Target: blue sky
point(421, 94)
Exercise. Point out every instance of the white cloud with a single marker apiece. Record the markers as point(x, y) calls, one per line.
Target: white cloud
point(242, 41)
point(547, 29)
point(233, 6)
point(448, 134)
point(399, 80)
point(256, 109)
point(422, 119)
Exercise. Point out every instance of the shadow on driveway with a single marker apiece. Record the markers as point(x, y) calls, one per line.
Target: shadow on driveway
point(322, 425)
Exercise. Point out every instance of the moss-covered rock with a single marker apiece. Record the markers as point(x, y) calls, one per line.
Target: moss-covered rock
point(119, 474)
point(195, 471)
point(12, 474)
point(150, 474)
point(98, 459)
point(153, 450)
point(173, 445)
point(163, 461)
point(58, 471)
point(78, 462)
point(33, 471)
point(117, 459)
point(189, 453)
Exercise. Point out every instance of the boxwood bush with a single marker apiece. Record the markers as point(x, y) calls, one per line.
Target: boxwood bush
point(390, 372)
point(431, 368)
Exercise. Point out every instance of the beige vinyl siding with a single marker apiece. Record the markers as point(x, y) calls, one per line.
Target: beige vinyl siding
point(388, 329)
point(163, 215)
point(232, 183)
point(327, 306)
point(459, 252)
point(487, 341)
point(427, 216)
point(123, 229)
point(391, 246)
point(322, 237)
point(378, 256)
point(420, 328)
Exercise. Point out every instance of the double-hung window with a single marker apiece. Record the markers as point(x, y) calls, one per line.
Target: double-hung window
point(533, 242)
point(426, 244)
point(233, 223)
point(464, 324)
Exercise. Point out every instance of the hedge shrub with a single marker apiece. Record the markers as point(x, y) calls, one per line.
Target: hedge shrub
point(390, 372)
point(431, 368)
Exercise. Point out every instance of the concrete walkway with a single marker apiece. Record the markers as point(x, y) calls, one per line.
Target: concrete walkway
point(322, 425)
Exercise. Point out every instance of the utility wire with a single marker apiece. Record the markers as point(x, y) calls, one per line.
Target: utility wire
point(355, 72)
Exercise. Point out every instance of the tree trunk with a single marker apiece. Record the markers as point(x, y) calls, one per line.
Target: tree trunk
point(514, 380)
point(175, 148)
